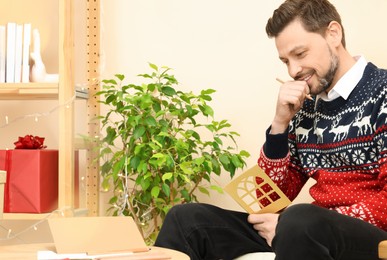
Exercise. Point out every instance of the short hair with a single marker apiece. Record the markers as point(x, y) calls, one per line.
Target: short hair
point(315, 16)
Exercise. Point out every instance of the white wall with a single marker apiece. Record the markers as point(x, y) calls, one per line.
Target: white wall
point(221, 44)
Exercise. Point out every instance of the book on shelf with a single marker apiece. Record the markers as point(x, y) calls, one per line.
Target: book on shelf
point(26, 53)
point(15, 43)
point(18, 52)
point(10, 58)
point(2, 52)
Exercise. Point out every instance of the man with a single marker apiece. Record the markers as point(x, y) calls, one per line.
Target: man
point(339, 139)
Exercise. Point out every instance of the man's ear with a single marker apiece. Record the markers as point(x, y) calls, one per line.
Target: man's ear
point(334, 33)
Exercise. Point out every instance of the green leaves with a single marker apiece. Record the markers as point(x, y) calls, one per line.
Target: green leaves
point(155, 191)
point(156, 151)
point(206, 110)
point(167, 176)
point(168, 91)
point(139, 131)
point(151, 121)
point(153, 66)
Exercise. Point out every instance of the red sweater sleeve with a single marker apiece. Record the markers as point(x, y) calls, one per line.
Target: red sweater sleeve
point(286, 176)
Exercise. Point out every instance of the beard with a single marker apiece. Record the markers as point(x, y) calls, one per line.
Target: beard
point(325, 81)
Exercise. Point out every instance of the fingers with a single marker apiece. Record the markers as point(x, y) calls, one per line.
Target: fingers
point(255, 218)
point(307, 95)
point(261, 218)
point(294, 93)
point(291, 98)
point(264, 224)
point(264, 232)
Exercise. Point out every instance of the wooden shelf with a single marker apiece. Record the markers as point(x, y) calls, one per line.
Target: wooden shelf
point(22, 91)
point(24, 216)
point(35, 91)
point(80, 212)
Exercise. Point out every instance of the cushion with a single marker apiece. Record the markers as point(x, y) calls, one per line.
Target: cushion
point(257, 256)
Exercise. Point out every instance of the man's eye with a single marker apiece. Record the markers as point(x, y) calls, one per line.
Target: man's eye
point(300, 54)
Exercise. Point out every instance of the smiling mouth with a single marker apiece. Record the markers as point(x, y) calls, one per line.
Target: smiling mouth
point(307, 78)
point(304, 77)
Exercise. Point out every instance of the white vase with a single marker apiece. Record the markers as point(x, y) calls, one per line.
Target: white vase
point(38, 70)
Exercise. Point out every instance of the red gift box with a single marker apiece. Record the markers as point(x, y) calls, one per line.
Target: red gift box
point(32, 180)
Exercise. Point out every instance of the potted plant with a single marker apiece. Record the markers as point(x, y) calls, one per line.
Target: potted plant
point(153, 151)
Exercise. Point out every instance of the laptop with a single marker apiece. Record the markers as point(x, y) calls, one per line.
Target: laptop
point(96, 235)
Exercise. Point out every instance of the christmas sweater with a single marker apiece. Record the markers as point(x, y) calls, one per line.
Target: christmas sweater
point(342, 144)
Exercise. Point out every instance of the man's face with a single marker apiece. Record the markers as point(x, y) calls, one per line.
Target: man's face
point(308, 56)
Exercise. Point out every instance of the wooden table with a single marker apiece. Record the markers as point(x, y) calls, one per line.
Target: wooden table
point(29, 251)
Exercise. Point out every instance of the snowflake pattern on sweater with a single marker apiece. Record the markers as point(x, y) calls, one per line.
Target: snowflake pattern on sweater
point(342, 144)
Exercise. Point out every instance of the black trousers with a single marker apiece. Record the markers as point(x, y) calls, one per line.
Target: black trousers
point(304, 232)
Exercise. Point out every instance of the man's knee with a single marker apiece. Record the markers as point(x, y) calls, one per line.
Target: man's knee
point(300, 220)
point(185, 208)
point(301, 215)
point(185, 212)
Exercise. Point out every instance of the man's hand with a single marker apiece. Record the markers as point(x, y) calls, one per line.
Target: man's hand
point(265, 224)
point(291, 97)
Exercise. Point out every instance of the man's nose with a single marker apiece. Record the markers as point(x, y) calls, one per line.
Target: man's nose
point(294, 69)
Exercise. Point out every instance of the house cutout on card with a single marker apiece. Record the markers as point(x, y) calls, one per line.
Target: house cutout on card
point(255, 192)
point(96, 235)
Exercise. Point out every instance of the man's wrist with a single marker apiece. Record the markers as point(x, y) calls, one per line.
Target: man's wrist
point(276, 145)
point(278, 128)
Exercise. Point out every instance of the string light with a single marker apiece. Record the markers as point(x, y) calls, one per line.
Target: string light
point(67, 104)
point(34, 226)
point(36, 116)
